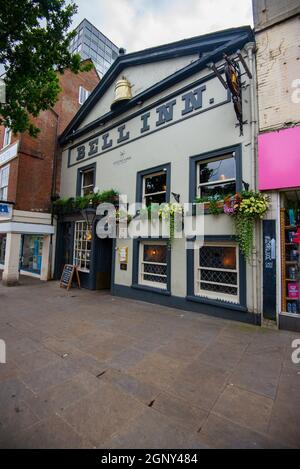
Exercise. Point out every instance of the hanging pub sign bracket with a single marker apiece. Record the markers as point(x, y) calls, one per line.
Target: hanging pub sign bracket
point(69, 275)
point(233, 82)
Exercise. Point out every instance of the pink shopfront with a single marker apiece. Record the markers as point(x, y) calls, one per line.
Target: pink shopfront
point(279, 174)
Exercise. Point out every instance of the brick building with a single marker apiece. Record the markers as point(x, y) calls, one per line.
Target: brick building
point(277, 27)
point(29, 177)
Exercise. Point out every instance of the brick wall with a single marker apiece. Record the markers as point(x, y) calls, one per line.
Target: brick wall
point(31, 173)
point(278, 65)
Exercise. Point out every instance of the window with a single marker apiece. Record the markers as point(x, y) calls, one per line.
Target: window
point(87, 177)
point(153, 264)
point(82, 246)
point(2, 248)
point(216, 176)
point(7, 137)
point(83, 94)
point(155, 188)
point(216, 274)
point(32, 253)
point(4, 177)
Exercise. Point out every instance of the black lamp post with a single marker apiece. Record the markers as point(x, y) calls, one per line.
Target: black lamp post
point(89, 215)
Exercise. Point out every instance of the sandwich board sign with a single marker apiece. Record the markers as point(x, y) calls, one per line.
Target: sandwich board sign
point(69, 275)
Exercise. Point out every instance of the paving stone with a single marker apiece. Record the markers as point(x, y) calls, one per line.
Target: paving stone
point(52, 433)
point(144, 392)
point(152, 430)
point(102, 413)
point(285, 422)
point(52, 375)
point(127, 359)
point(110, 347)
point(184, 350)
point(221, 433)
point(245, 408)
point(258, 374)
point(200, 383)
point(36, 360)
point(56, 398)
point(223, 353)
point(182, 413)
point(157, 369)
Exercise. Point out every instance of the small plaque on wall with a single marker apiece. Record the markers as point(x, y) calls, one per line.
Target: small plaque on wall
point(123, 255)
point(123, 266)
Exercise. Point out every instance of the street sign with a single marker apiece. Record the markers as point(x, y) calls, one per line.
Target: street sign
point(5, 210)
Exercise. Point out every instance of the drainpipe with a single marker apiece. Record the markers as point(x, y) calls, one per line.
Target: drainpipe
point(53, 188)
point(256, 271)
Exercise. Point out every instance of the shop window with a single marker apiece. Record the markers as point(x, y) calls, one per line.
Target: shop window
point(82, 246)
point(155, 188)
point(153, 267)
point(4, 177)
point(7, 137)
point(31, 256)
point(216, 272)
point(87, 181)
point(83, 94)
point(2, 248)
point(216, 176)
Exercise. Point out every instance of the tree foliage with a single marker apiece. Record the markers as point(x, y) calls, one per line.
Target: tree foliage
point(34, 40)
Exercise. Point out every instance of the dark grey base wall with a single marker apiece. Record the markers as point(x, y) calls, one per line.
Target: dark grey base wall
point(289, 323)
point(183, 303)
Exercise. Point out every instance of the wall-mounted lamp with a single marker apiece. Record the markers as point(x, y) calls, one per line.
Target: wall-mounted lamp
point(176, 196)
point(246, 185)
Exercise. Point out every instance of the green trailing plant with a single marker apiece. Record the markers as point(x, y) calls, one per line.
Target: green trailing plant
point(246, 207)
point(215, 207)
point(67, 205)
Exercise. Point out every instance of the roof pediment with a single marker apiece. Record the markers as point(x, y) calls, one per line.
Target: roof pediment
point(204, 49)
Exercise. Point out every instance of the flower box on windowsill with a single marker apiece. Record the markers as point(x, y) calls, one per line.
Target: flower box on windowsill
point(220, 205)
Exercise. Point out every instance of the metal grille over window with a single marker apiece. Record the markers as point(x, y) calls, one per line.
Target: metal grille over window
point(82, 247)
point(217, 272)
point(153, 269)
point(155, 188)
point(217, 176)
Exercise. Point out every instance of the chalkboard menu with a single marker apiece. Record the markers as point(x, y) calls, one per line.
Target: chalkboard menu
point(69, 274)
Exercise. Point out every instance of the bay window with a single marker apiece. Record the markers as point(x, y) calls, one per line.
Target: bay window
point(217, 271)
point(82, 246)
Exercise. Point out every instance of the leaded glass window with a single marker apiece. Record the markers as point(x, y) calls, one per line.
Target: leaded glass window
point(153, 264)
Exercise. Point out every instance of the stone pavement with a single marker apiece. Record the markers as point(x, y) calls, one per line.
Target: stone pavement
point(87, 370)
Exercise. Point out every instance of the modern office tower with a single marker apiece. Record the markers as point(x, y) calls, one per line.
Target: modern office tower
point(90, 43)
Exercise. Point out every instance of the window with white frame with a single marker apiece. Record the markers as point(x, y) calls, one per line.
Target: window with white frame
point(7, 137)
point(4, 178)
point(153, 268)
point(217, 271)
point(82, 246)
point(216, 176)
point(83, 94)
point(87, 181)
point(155, 188)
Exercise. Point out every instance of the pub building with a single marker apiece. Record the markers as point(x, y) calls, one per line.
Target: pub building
point(162, 125)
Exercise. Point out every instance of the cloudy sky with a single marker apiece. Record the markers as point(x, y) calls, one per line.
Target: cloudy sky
point(137, 24)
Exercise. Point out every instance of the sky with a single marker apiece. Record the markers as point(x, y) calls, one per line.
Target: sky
point(138, 24)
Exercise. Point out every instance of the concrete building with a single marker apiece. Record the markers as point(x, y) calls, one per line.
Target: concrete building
point(29, 178)
point(90, 43)
point(277, 33)
point(176, 134)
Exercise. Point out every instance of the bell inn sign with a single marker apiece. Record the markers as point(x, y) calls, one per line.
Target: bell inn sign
point(144, 122)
